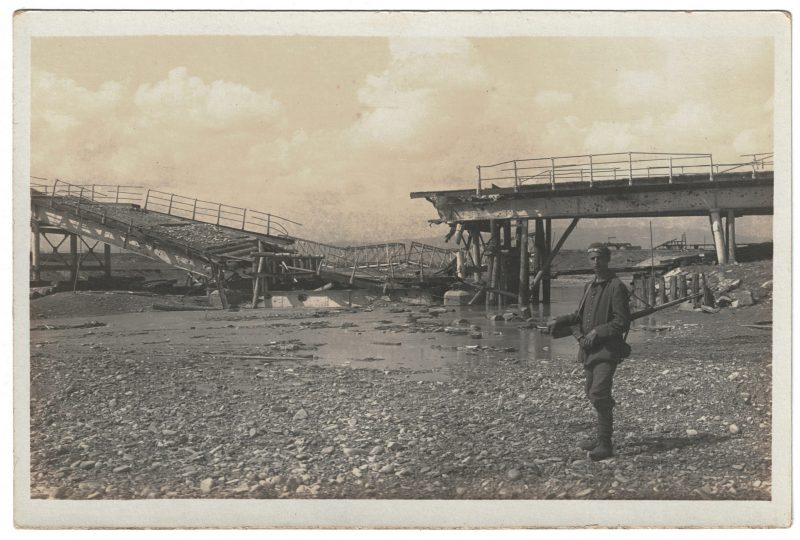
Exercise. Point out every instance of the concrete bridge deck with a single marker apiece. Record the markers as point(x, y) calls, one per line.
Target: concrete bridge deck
point(620, 185)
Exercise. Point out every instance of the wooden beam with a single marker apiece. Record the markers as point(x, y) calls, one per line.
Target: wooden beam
point(546, 266)
point(524, 264)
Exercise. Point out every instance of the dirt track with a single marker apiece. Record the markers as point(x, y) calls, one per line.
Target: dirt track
point(111, 418)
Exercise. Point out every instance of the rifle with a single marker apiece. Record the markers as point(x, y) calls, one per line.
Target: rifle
point(565, 330)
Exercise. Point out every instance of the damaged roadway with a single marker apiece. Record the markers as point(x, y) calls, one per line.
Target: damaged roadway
point(242, 405)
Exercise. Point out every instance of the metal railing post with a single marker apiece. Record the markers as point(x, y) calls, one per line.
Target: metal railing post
point(552, 173)
point(116, 200)
point(479, 180)
point(92, 192)
point(219, 212)
point(244, 217)
point(516, 178)
point(755, 165)
point(710, 168)
point(53, 195)
point(194, 208)
point(169, 208)
point(630, 168)
point(146, 199)
point(670, 169)
point(591, 171)
point(269, 218)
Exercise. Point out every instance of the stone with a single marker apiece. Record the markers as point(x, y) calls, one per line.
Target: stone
point(60, 492)
point(734, 429)
point(386, 469)
point(509, 316)
point(457, 298)
point(301, 414)
point(376, 451)
point(767, 285)
point(476, 335)
point(495, 317)
point(691, 432)
point(726, 285)
point(86, 465)
point(584, 492)
point(744, 298)
point(513, 474)
point(206, 485)
point(327, 450)
point(122, 468)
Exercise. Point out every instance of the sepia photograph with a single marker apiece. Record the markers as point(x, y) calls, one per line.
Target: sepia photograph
point(402, 269)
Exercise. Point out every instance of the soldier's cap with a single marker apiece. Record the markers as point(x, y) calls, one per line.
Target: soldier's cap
point(599, 248)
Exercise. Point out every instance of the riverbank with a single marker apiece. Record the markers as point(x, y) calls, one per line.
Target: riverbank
point(187, 408)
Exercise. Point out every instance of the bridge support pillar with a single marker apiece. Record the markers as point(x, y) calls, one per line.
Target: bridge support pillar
point(524, 264)
point(538, 248)
point(475, 238)
point(493, 262)
point(74, 257)
point(730, 235)
point(548, 249)
point(719, 236)
point(36, 254)
point(107, 260)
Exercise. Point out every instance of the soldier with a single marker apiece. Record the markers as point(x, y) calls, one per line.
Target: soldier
point(599, 325)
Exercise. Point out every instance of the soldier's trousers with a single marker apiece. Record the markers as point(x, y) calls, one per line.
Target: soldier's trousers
point(599, 378)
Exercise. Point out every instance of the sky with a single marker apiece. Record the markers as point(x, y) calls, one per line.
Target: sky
point(335, 132)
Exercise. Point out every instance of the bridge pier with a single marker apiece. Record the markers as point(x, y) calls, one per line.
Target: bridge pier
point(719, 236)
point(75, 261)
point(524, 264)
point(36, 255)
point(730, 235)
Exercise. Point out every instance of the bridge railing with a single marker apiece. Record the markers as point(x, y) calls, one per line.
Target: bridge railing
point(224, 215)
point(102, 193)
point(758, 162)
point(591, 168)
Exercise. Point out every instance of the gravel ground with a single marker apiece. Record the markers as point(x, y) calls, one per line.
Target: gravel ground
point(110, 422)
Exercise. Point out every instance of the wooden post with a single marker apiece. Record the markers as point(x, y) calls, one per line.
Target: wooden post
point(682, 286)
point(259, 268)
point(459, 264)
point(662, 290)
point(548, 242)
point(708, 298)
point(194, 209)
point(107, 260)
point(651, 290)
point(696, 289)
point(221, 287)
point(730, 235)
point(36, 255)
point(524, 264)
point(74, 257)
point(475, 238)
point(492, 252)
point(551, 255)
point(673, 288)
point(538, 247)
point(719, 237)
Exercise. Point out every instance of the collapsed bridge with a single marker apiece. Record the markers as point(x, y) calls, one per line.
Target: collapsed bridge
point(214, 242)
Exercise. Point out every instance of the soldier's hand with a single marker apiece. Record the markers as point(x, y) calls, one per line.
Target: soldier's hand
point(589, 340)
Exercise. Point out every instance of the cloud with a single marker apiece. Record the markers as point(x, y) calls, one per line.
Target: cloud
point(220, 104)
point(552, 98)
point(421, 96)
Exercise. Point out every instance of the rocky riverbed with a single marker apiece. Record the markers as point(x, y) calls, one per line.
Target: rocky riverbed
point(185, 409)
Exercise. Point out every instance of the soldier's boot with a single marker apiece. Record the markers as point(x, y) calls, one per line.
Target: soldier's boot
point(588, 443)
point(605, 429)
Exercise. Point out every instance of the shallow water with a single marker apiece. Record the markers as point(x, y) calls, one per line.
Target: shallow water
point(225, 340)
